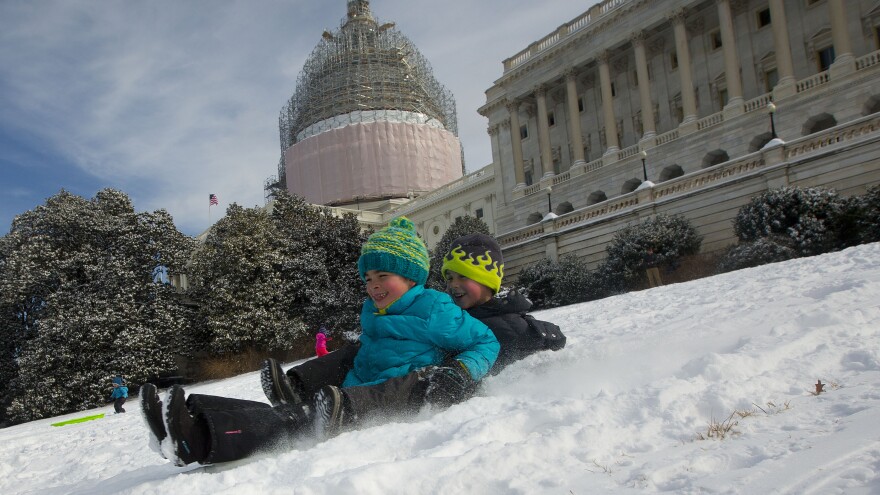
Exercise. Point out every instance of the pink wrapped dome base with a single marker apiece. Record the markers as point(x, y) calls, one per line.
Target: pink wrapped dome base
point(370, 161)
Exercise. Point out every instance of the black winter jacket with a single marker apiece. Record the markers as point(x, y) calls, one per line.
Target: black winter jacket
point(519, 333)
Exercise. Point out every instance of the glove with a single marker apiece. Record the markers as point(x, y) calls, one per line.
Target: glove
point(448, 384)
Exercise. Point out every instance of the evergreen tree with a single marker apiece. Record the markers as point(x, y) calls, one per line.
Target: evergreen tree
point(671, 237)
point(320, 276)
point(84, 301)
point(810, 217)
point(868, 222)
point(462, 226)
point(538, 282)
point(235, 276)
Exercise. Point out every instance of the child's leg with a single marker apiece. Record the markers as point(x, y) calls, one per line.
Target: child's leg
point(220, 429)
point(400, 394)
point(330, 369)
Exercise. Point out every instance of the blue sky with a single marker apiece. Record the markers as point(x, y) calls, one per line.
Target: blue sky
point(172, 100)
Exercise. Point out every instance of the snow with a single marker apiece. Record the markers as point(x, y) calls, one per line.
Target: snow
point(619, 410)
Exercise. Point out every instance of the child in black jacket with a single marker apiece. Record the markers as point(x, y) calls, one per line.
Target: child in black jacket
point(473, 269)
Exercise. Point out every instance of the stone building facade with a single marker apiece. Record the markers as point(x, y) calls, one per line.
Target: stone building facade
point(702, 103)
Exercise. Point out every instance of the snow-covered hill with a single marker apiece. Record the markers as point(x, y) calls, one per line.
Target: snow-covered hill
point(619, 410)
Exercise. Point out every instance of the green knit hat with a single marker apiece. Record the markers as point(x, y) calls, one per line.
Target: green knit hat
point(396, 249)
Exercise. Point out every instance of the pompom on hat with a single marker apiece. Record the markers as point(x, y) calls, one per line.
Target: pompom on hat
point(398, 249)
point(477, 257)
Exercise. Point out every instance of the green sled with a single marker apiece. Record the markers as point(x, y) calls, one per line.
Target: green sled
point(79, 420)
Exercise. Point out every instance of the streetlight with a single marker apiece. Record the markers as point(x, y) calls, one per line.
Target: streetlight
point(549, 204)
point(644, 154)
point(771, 109)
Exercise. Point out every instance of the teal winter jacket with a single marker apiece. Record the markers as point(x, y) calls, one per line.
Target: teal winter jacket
point(422, 328)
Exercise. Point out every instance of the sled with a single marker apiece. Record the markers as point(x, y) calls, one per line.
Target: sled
point(79, 420)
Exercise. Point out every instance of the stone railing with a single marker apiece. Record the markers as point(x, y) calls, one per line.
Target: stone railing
point(711, 120)
point(813, 81)
point(868, 60)
point(703, 178)
point(564, 31)
point(836, 135)
point(758, 104)
point(484, 174)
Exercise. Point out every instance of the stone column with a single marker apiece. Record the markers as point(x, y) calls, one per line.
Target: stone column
point(543, 132)
point(516, 142)
point(688, 103)
point(735, 104)
point(784, 66)
point(610, 121)
point(844, 62)
point(638, 41)
point(574, 117)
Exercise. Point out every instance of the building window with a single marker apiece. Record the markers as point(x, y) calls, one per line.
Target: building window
point(528, 174)
point(580, 104)
point(479, 213)
point(673, 61)
point(824, 58)
point(551, 119)
point(613, 90)
point(524, 131)
point(763, 18)
point(771, 77)
point(715, 39)
point(436, 230)
point(877, 37)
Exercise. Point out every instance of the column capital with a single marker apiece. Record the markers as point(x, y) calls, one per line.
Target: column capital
point(570, 74)
point(540, 90)
point(637, 38)
point(512, 105)
point(505, 124)
point(603, 57)
point(492, 130)
point(677, 16)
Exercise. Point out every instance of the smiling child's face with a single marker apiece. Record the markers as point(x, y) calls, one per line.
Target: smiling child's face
point(465, 292)
point(385, 287)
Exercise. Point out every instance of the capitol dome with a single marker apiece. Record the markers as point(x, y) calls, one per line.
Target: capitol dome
point(368, 120)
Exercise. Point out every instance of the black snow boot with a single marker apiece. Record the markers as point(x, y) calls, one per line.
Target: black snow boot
point(277, 385)
point(151, 409)
point(331, 414)
point(189, 437)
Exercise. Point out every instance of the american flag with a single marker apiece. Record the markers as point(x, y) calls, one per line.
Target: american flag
point(212, 198)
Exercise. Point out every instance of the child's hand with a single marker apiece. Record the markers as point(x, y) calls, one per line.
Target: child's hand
point(448, 384)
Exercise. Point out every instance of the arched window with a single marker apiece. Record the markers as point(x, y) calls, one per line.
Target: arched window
point(759, 141)
point(534, 218)
point(596, 197)
point(563, 208)
point(630, 186)
point(714, 158)
point(671, 172)
point(818, 123)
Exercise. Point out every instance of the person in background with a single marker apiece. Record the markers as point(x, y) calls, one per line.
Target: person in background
point(119, 394)
point(321, 342)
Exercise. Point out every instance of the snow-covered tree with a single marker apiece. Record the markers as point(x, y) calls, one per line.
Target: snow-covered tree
point(320, 274)
point(462, 226)
point(235, 276)
point(671, 237)
point(537, 281)
point(868, 222)
point(808, 216)
point(80, 282)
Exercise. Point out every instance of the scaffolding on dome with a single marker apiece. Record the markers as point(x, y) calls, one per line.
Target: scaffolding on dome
point(364, 66)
